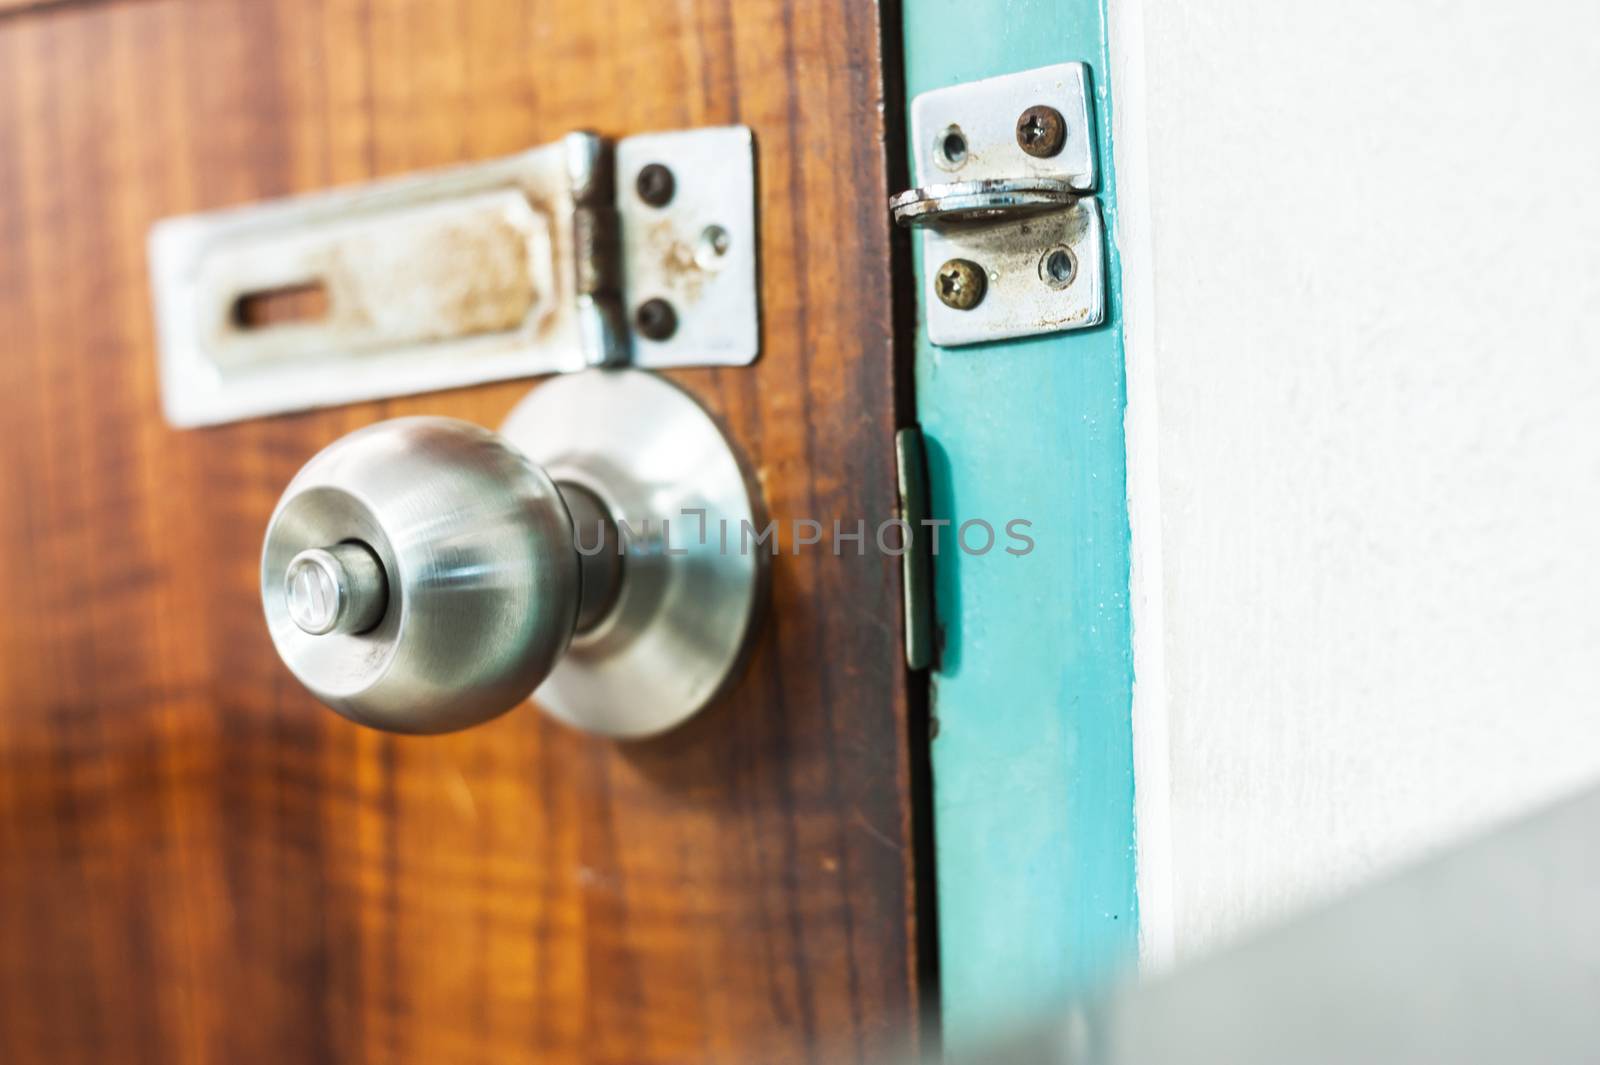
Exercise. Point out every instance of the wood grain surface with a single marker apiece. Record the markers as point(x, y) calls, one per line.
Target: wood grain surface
point(200, 864)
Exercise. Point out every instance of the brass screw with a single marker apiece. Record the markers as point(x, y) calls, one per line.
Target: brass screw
point(655, 185)
point(960, 284)
point(1041, 131)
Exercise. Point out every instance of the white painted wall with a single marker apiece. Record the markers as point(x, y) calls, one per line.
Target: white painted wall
point(1362, 243)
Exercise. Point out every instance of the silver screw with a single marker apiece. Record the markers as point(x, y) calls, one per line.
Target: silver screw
point(714, 244)
point(1058, 267)
point(952, 148)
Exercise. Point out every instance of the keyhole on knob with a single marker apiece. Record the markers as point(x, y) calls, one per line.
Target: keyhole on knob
point(336, 589)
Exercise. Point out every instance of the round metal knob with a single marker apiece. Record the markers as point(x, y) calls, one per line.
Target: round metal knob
point(424, 575)
point(420, 575)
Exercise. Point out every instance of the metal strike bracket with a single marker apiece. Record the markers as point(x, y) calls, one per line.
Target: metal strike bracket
point(1012, 240)
point(575, 254)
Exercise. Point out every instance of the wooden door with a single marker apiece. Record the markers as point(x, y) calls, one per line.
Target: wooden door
point(200, 864)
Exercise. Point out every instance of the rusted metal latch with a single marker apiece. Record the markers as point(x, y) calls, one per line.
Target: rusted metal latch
point(576, 254)
point(1012, 240)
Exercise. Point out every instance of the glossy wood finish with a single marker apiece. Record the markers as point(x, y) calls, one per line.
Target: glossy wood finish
point(198, 863)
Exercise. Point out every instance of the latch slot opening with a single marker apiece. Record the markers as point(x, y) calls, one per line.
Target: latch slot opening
point(296, 304)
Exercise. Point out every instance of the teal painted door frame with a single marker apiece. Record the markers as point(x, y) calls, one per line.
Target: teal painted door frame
point(1032, 756)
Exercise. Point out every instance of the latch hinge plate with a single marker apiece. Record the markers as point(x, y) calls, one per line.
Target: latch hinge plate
point(1003, 217)
point(542, 262)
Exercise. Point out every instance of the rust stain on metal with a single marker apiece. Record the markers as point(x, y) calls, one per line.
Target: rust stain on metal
point(481, 278)
point(457, 279)
point(684, 276)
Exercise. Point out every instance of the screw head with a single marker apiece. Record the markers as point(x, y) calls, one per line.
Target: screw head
point(960, 284)
point(655, 319)
point(1058, 267)
point(655, 185)
point(1041, 131)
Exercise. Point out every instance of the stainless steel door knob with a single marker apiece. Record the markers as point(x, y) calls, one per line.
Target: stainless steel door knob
point(424, 574)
